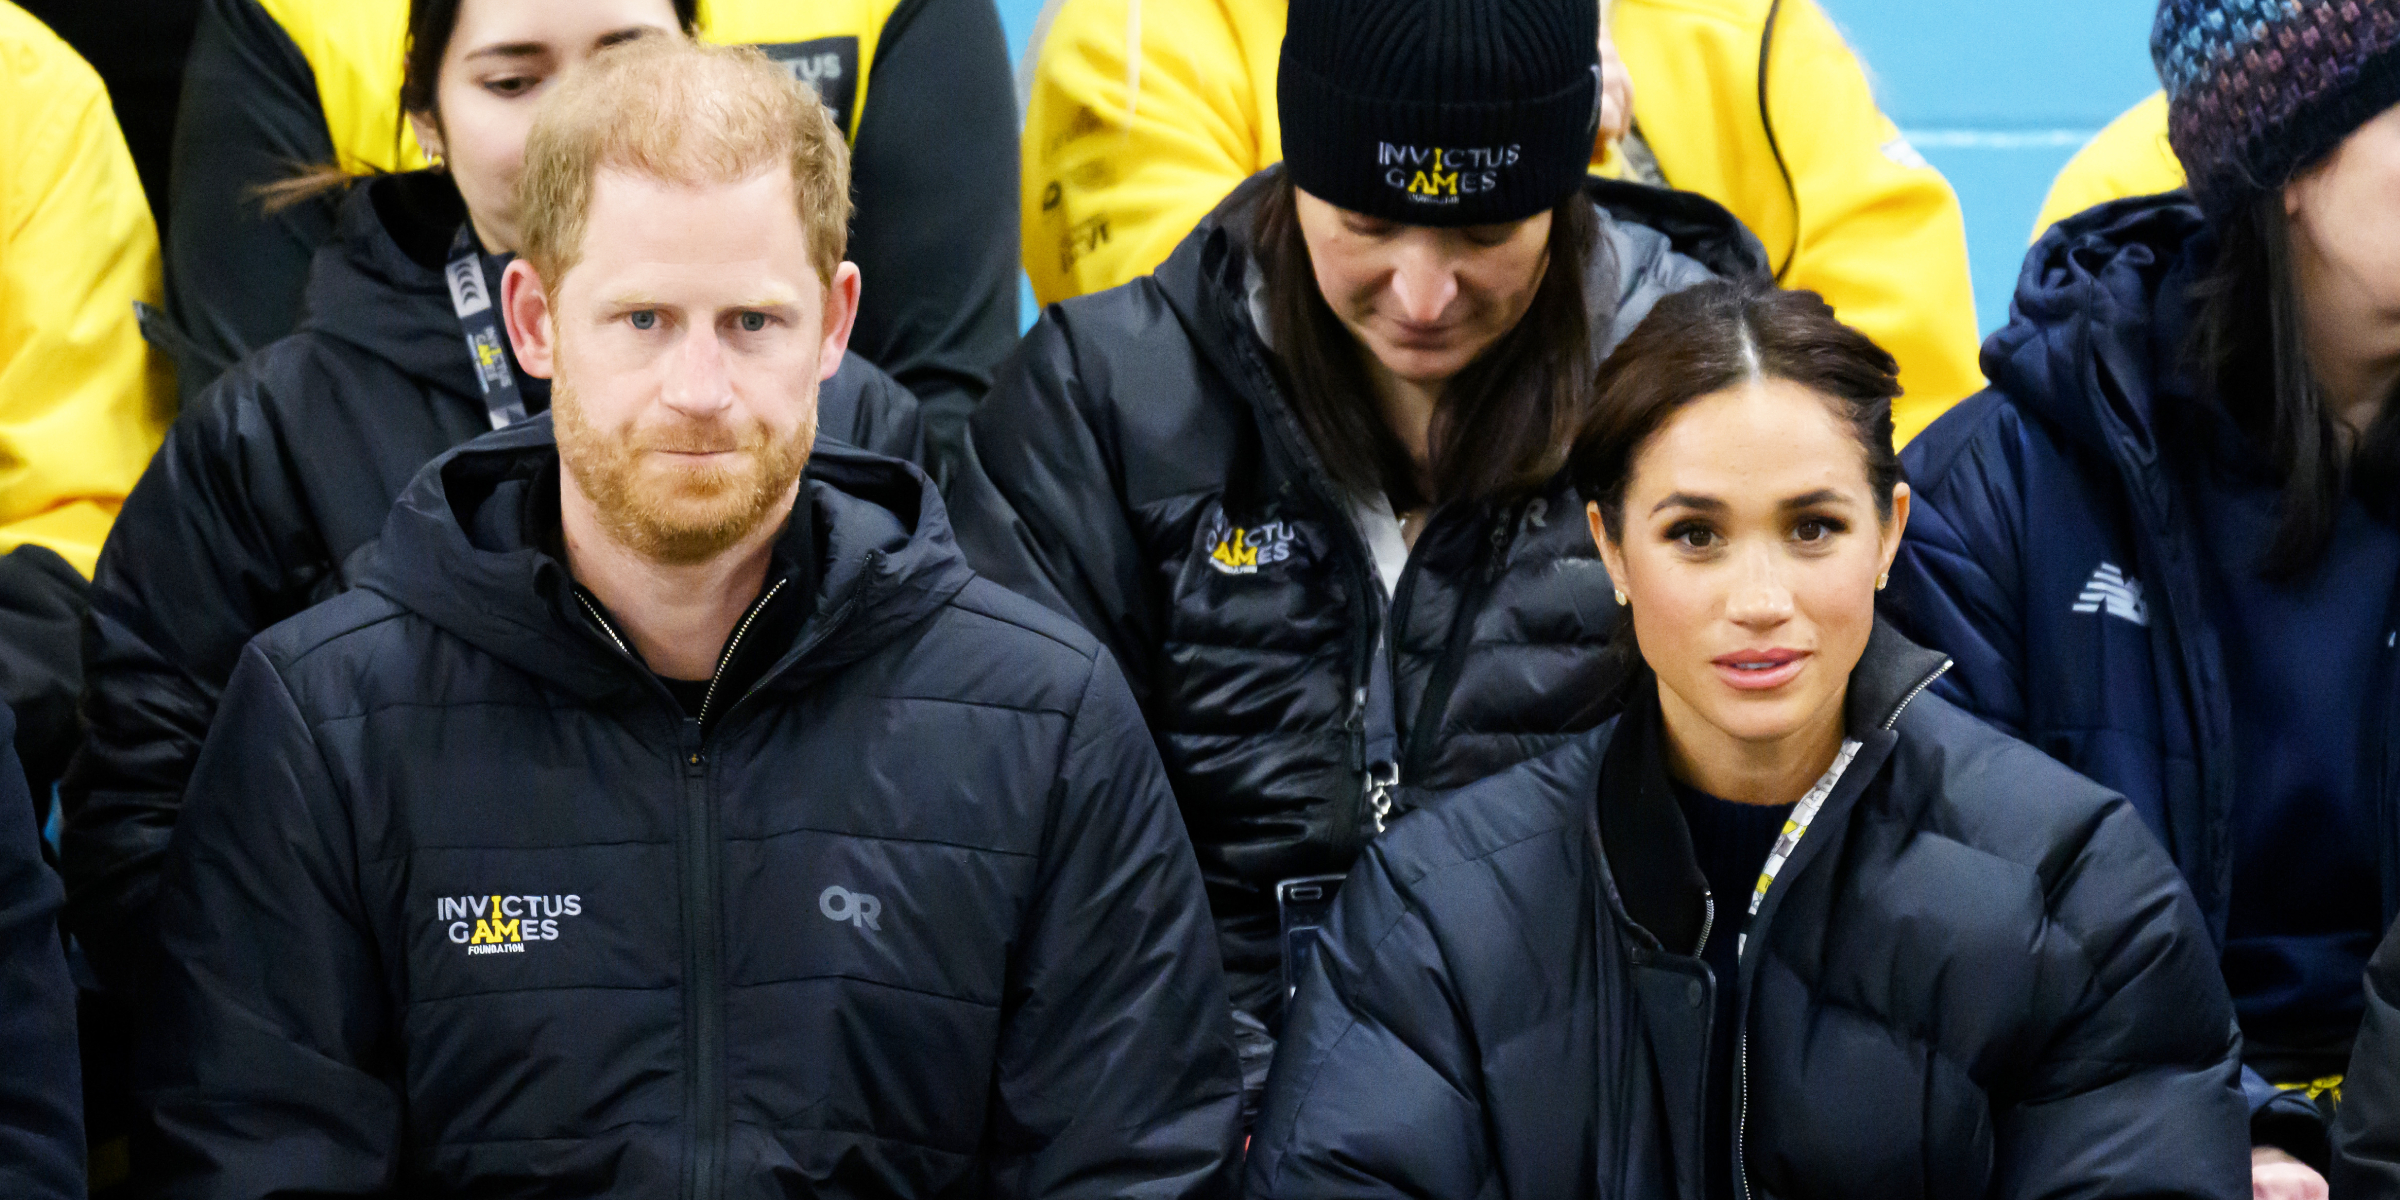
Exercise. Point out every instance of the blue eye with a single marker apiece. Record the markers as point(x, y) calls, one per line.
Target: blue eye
point(753, 322)
point(645, 319)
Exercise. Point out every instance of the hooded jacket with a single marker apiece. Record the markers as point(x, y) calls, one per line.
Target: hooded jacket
point(1758, 105)
point(2366, 1129)
point(920, 87)
point(1140, 470)
point(41, 1092)
point(2053, 551)
point(466, 904)
point(1976, 975)
point(260, 504)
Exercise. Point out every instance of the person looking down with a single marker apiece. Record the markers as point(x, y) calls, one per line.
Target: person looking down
point(2165, 546)
point(1790, 926)
point(1305, 481)
point(671, 811)
point(274, 483)
point(919, 87)
point(1142, 114)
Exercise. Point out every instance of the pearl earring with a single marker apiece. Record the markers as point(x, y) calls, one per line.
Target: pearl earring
point(1883, 581)
point(1621, 601)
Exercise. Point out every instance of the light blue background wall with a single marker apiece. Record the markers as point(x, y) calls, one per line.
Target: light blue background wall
point(1996, 93)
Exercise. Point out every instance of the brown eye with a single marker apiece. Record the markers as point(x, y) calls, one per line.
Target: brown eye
point(511, 86)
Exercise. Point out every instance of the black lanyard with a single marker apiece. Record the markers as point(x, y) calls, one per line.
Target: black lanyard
point(471, 296)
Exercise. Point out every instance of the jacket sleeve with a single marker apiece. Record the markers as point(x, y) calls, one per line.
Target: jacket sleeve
point(250, 116)
point(267, 1067)
point(41, 1091)
point(1037, 508)
point(1374, 1089)
point(1116, 1074)
point(1955, 586)
point(936, 236)
point(1845, 207)
point(197, 565)
point(2366, 1128)
point(1121, 163)
point(83, 401)
point(41, 668)
point(2137, 1087)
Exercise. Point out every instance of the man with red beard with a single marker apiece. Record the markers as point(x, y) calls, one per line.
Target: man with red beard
point(672, 811)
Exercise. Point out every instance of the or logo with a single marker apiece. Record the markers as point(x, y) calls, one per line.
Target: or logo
point(1442, 175)
point(2114, 590)
point(1235, 550)
point(839, 903)
point(467, 293)
point(828, 65)
point(504, 924)
point(491, 365)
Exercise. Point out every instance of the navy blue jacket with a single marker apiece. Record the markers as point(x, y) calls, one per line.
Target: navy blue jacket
point(2051, 552)
point(41, 1088)
point(464, 903)
point(1975, 976)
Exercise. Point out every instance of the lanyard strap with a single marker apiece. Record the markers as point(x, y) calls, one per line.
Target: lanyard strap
point(1794, 828)
point(471, 298)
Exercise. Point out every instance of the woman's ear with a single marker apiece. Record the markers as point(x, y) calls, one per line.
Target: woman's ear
point(1895, 527)
point(429, 134)
point(1612, 555)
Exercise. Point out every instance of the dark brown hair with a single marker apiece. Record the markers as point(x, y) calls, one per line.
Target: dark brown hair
point(2249, 343)
point(1717, 336)
point(430, 24)
point(1504, 422)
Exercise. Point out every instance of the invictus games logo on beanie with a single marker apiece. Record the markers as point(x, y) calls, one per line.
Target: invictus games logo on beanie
point(1435, 175)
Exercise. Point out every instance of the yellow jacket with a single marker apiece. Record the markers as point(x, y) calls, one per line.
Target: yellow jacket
point(83, 401)
point(1121, 161)
point(355, 48)
point(2129, 158)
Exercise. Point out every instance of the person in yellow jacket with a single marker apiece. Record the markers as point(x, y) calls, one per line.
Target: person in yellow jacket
point(920, 87)
point(83, 402)
point(1125, 155)
point(2130, 157)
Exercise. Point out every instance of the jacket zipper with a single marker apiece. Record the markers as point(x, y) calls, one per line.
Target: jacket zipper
point(1741, 1039)
point(733, 644)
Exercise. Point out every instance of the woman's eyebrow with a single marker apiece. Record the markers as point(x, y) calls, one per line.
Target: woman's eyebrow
point(1688, 500)
point(1815, 498)
point(510, 50)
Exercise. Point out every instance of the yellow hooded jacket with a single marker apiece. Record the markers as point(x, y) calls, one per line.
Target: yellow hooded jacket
point(2130, 157)
point(83, 401)
point(1123, 158)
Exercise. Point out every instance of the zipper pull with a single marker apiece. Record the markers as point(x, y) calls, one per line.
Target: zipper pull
point(1381, 779)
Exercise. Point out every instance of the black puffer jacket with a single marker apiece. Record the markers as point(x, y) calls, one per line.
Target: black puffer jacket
point(909, 915)
point(1977, 975)
point(1141, 428)
point(259, 504)
point(41, 1093)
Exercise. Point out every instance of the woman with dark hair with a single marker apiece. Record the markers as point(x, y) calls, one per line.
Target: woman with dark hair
point(273, 482)
point(2164, 546)
point(1788, 926)
point(1305, 481)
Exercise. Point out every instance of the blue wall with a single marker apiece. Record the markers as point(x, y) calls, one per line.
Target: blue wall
point(1997, 95)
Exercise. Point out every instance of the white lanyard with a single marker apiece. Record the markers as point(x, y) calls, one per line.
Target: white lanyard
point(1794, 827)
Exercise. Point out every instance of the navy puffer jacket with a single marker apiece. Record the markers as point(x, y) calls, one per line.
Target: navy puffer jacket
point(464, 904)
point(1976, 976)
point(2052, 550)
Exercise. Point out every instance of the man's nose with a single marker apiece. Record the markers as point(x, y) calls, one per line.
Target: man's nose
point(696, 380)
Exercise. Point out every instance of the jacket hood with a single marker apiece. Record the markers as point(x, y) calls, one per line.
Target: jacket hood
point(1657, 241)
point(378, 284)
point(2096, 325)
point(461, 550)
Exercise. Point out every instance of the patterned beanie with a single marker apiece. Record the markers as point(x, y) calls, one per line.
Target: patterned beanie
point(2258, 90)
point(1440, 112)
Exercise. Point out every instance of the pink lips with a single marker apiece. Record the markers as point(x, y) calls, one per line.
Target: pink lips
point(1760, 670)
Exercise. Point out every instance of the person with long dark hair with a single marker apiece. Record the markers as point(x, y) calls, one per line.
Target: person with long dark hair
point(2164, 545)
point(1789, 926)
point(273, 483)
point(1305, 481)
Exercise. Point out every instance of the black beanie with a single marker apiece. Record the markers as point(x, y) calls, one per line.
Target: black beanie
point(1440, 112)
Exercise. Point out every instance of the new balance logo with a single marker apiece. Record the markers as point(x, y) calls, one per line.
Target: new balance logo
point(839, 903)
point(2114, 590)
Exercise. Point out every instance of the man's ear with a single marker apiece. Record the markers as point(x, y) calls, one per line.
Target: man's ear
point(841, 312)
point(525, 305)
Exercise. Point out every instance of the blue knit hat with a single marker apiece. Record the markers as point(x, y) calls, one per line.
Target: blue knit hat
point(2258, 90)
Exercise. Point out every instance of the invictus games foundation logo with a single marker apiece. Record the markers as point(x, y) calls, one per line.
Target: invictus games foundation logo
point(504, 924)
point(1240, 550)
point(1443, 174)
